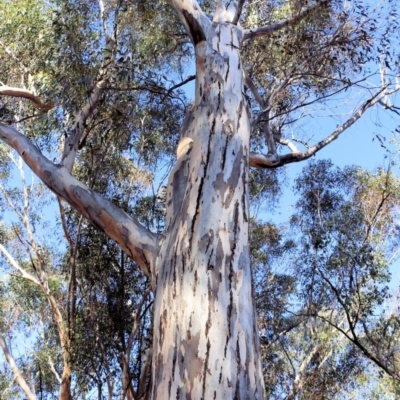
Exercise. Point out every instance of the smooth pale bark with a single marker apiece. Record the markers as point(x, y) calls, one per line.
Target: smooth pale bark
point(205, 333)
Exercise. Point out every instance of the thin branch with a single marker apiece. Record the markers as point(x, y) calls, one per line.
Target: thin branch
point(15, 265)
point(54, 371)
point(269, 29)
point(125, 359)
point(17, 374)
point(27, 94)
point(109, 375)
point(135, 240)
point(71, 144)
point(250, 84)
point(288, 143)
point(262, 161)
point(184, 82)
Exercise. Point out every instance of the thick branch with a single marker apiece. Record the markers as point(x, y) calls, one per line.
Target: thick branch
point(17, 374)
point(136, 241)
point(262, 161)
point(192, 18)
point(268, 29)
point(26, 94)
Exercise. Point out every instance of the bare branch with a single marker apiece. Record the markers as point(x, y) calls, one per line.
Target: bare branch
point(288, 143)
point(15, 265)
point(54, 371)
point(262, 161)
point(26, 94)
point(125, 359)
point(268, 29)
point(17, 374)
point(71, 144)
point(253, 89)
point(136, 241)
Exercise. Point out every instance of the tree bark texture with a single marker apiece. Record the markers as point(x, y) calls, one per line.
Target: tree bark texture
point(206, 342)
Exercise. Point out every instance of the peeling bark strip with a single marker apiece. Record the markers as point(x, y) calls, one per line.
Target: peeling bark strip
point(205, 334)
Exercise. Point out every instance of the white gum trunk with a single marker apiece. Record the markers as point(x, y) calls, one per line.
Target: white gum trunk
point(205, 334)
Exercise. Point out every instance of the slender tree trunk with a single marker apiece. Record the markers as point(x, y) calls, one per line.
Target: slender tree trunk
point(206, 342)
point(65, 390)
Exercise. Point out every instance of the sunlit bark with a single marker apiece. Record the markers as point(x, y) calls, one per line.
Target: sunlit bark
point(205, 333)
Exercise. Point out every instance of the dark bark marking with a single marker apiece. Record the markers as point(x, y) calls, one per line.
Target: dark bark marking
point(227, 71)
point(219, 95)
point(224, 153)
point(196, 30)
point(240, 110)
point(219, 255)
point(163, 317)
point(210, 300)
point(169, 388)
point(195, 283)
point(193, 363)
point(204, 242)
point(220, 376)
point(236, 396)
point(231, 269)
point(226, 343)
point(184, 261)
point(174, 259)
point(210, 266)
point(200, 192)
point(238, 353)
point(244, 180)
point(178, 392)
point(239, 378)
point(206, 368)
point(175, 356)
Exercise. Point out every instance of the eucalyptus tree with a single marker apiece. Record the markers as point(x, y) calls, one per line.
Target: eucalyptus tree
point(349, 268)
point(327, 305)
point(98, 84)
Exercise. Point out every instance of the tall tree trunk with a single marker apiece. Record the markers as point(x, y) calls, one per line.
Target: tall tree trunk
point(206, 342)
point(65, 390)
